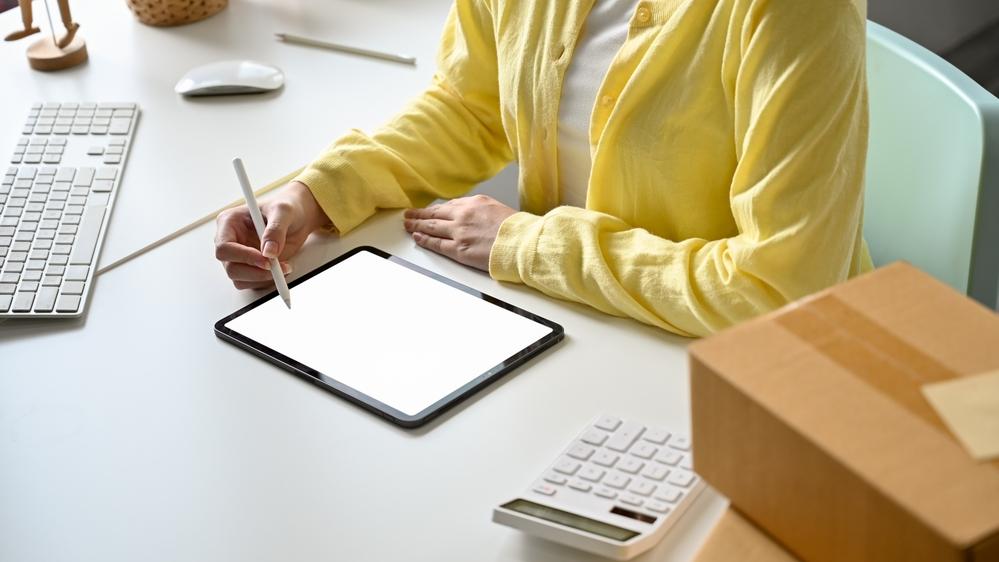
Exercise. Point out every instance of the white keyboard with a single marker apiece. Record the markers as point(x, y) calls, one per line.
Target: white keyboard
point(615, 490)
point(55, 200)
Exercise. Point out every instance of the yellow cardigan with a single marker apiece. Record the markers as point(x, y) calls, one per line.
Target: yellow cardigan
point(728, 144)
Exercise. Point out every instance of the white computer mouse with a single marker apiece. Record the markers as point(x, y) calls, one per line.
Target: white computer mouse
point(230, 77)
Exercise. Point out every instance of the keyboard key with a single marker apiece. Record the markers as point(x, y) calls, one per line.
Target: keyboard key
point(580, 485)
point(545, 489)
point(656, 435)
point(632, 500)
point(605, 458)
point(658, 507)
point(84, 176)
point(119, 126)
point(7, 288)
point(79, 273)
point(565, 466)
point(592, 473)
point(581, 451)
point(630, 465)
point(556, 478)
point(46, 299)
point(608, 423)
point(65, 174)
point(680, 443)
point(22, 301)
point(644, 450)
point(72, 288)
point(594, 437)
point(67, 303)
point(605, 493)
point(624, 437)
point(103, 186)
point(681, 478)
point(617, 480)
point(667, 457)
point(51, 280)
point(642, 488)
point(106, 173)
point(655, 472)
point(5, 301)
point(32, 275)
point(668, 494)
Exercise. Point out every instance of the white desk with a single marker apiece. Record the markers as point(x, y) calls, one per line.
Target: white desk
point(179, 167)
point(135, 434)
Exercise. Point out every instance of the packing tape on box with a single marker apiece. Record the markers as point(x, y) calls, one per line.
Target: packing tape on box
point(884, 361)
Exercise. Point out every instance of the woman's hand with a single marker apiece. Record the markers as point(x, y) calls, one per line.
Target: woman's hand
point(291, 214)
point(462, 229)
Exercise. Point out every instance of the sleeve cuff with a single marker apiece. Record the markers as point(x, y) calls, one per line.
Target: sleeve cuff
point(512, 254)
point(331, 186)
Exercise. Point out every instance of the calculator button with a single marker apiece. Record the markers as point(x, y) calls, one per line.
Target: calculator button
point(655, 472)
point(625, 437)
point(631, 500)
point(567, 466)
point(592, 473)
point(605, 493)
point(617, 481)
point(581, 451)
point(658, 507)
point(668, 457)
point(545, 489)
point(580, 485)
point(608, 423)
point(680, 443)
point(630, 465)
point(644, 450)
point(656, 435)
point(606, 458)
point(668, 494)
point(687, 462)
point(681, 478)
point(594, 437)
point(642, 488)
point(556, 478)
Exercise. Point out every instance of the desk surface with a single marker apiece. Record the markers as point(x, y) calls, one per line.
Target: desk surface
point(135, 434)
point(180, 166)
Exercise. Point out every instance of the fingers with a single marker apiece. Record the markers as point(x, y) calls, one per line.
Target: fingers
point(443, 246)
point(236, 239)
point(432, 227)
point(278, 217)
point(243, 272)
point(235, 252)
point(445, 211)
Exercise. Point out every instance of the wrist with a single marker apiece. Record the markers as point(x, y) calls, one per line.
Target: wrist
point(313, 214)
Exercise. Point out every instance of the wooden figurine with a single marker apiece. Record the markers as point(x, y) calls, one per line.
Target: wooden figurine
point(51, 54)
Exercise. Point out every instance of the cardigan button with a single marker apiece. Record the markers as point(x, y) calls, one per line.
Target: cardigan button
point(643, 15)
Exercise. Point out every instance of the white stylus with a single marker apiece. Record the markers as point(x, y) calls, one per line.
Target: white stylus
point(258, 223)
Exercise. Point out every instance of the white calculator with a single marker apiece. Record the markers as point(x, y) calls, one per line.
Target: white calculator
point(614, 491)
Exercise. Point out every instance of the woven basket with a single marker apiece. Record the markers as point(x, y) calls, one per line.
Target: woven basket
point(174, 12)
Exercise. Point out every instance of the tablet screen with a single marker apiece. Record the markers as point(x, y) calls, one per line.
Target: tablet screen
point(394, 334)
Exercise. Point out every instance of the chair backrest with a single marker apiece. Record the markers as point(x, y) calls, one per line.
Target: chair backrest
point(933, 167)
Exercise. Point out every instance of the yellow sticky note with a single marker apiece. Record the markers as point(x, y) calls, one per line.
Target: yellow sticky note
point(970, 408)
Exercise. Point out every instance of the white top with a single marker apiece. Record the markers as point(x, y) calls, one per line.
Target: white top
point(605, 31)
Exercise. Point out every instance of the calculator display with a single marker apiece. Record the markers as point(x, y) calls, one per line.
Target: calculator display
point(572, 520)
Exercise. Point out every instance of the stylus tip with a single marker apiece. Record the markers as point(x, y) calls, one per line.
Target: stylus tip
point(287, 302)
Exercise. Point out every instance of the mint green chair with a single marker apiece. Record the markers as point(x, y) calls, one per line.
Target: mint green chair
point(933, 167)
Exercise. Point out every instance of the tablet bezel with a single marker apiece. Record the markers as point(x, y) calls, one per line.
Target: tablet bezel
point(330, 384)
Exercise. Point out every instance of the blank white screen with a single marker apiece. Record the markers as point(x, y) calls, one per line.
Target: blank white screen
point(387, 331)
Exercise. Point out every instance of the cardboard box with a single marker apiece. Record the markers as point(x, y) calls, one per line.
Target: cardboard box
point(812, 422)
point(734, 539)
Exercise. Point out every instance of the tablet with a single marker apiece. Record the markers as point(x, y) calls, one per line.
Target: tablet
point(390, 336)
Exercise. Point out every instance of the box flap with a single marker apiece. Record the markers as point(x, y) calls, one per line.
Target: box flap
point(843, 369)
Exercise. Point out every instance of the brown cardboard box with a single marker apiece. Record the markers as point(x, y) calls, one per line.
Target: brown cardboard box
point(734, 539)
point(812, 422)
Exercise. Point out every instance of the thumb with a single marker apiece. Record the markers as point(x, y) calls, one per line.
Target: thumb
point(278, 218)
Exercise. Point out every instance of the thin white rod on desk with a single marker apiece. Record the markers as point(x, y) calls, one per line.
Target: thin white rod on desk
point(51, 27)
point(289, 38)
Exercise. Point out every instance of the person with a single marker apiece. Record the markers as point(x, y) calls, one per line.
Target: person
point(687, 163)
